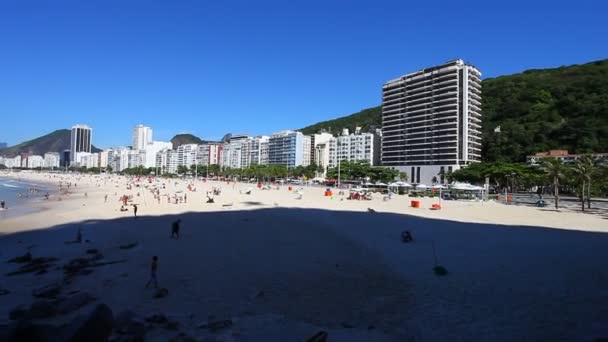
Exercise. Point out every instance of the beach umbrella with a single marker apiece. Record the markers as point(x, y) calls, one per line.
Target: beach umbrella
point(381, 184)
point(421, 186)
point(439, 186)
point(403, 184)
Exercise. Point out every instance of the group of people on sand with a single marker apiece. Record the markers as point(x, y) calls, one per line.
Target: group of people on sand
point(3, 205)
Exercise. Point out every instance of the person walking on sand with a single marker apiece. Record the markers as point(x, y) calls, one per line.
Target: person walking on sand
point(153, 270)
point(105, 199)
point(135, 210)
point(175, 229)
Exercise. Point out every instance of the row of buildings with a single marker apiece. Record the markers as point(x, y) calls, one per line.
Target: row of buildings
point(431, 125)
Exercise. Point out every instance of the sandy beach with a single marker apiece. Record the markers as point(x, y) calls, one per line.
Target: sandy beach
point(281, 268)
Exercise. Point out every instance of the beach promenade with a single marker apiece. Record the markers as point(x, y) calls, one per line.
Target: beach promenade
point(280, 266)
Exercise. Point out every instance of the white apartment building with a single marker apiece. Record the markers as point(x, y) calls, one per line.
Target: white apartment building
point(431, 121)
point(34, 162)
point(320, 151)
point(142, 136)
point(118, 159)
point(289, 148)
point(167, 161)
point(209, 154)
point(103, 159)
point(354, 147)
point(11, 162)
point(89, 160)
point(259, 150)
point(150, 151)
point(52, 160)
point(186, 154)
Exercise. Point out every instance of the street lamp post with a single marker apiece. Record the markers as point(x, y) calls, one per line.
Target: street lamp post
point(338, 173)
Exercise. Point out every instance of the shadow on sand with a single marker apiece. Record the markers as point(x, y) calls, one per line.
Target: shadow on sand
point(284, 274)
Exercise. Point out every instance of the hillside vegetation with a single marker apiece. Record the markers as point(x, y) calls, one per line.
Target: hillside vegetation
point(537, 110)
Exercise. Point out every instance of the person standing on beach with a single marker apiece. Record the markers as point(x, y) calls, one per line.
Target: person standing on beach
point(153, 270)
point(105, 199)
point(175, 229)
point(135, 210)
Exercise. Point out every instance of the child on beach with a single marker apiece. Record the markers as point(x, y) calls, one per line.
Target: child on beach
point(153, 269)
point(175, 229)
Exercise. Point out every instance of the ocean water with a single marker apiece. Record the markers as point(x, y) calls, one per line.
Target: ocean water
point(9, 192)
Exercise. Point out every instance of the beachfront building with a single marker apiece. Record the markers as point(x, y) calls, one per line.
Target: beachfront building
point(431, 121)
point(150, 150)
point(89, 160)
point(186, 155)
point(319, 151)
point(52, 160)
point(289, 148)
point(354, 147)
point(564, 156)
point(34, 162)
point(142, 136)
point(80, 142)
point(167, 161)
point(103, 159)
point(209, 153)
point(259, 150)
point(118, 159)
point(11, 162)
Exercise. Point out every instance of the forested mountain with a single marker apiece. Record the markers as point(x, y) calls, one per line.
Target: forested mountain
point(183, 139)
point(536, 110)
point(57, 141)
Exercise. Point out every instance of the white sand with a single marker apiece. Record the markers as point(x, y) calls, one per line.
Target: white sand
point(322, 262)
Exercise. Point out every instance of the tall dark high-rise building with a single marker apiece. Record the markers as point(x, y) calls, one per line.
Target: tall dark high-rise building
point(80, 141)
point(431, 121)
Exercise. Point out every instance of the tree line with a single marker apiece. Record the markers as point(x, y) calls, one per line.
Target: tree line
point(584, 178)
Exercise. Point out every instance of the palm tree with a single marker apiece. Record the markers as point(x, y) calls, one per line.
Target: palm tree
point(580, 171)
point(592, 170)
point(554, 169)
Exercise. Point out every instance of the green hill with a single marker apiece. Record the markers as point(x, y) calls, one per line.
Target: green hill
point(536, 110)
point(57, 141)
point(364, 119)
point(183, 139)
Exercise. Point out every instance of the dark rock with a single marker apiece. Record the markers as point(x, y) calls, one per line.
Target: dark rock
point(182, 337)
point(97, 327)
point(74, 302)
point(172, 325)
point(161, 293)
point(47, 291)
point(31, 332)
point(128, 328)
point(128, 246)
point(41, 272)
point(123, 319)
point(219, 325)
point(27, 257)
point(157, 319)
point(19, 312)
point(41, 309)
point(346, 325)
point(92, 251)
point(4, 292)
point(321, 336)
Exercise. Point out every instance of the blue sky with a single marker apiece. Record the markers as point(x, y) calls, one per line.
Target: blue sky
point(212, 67)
